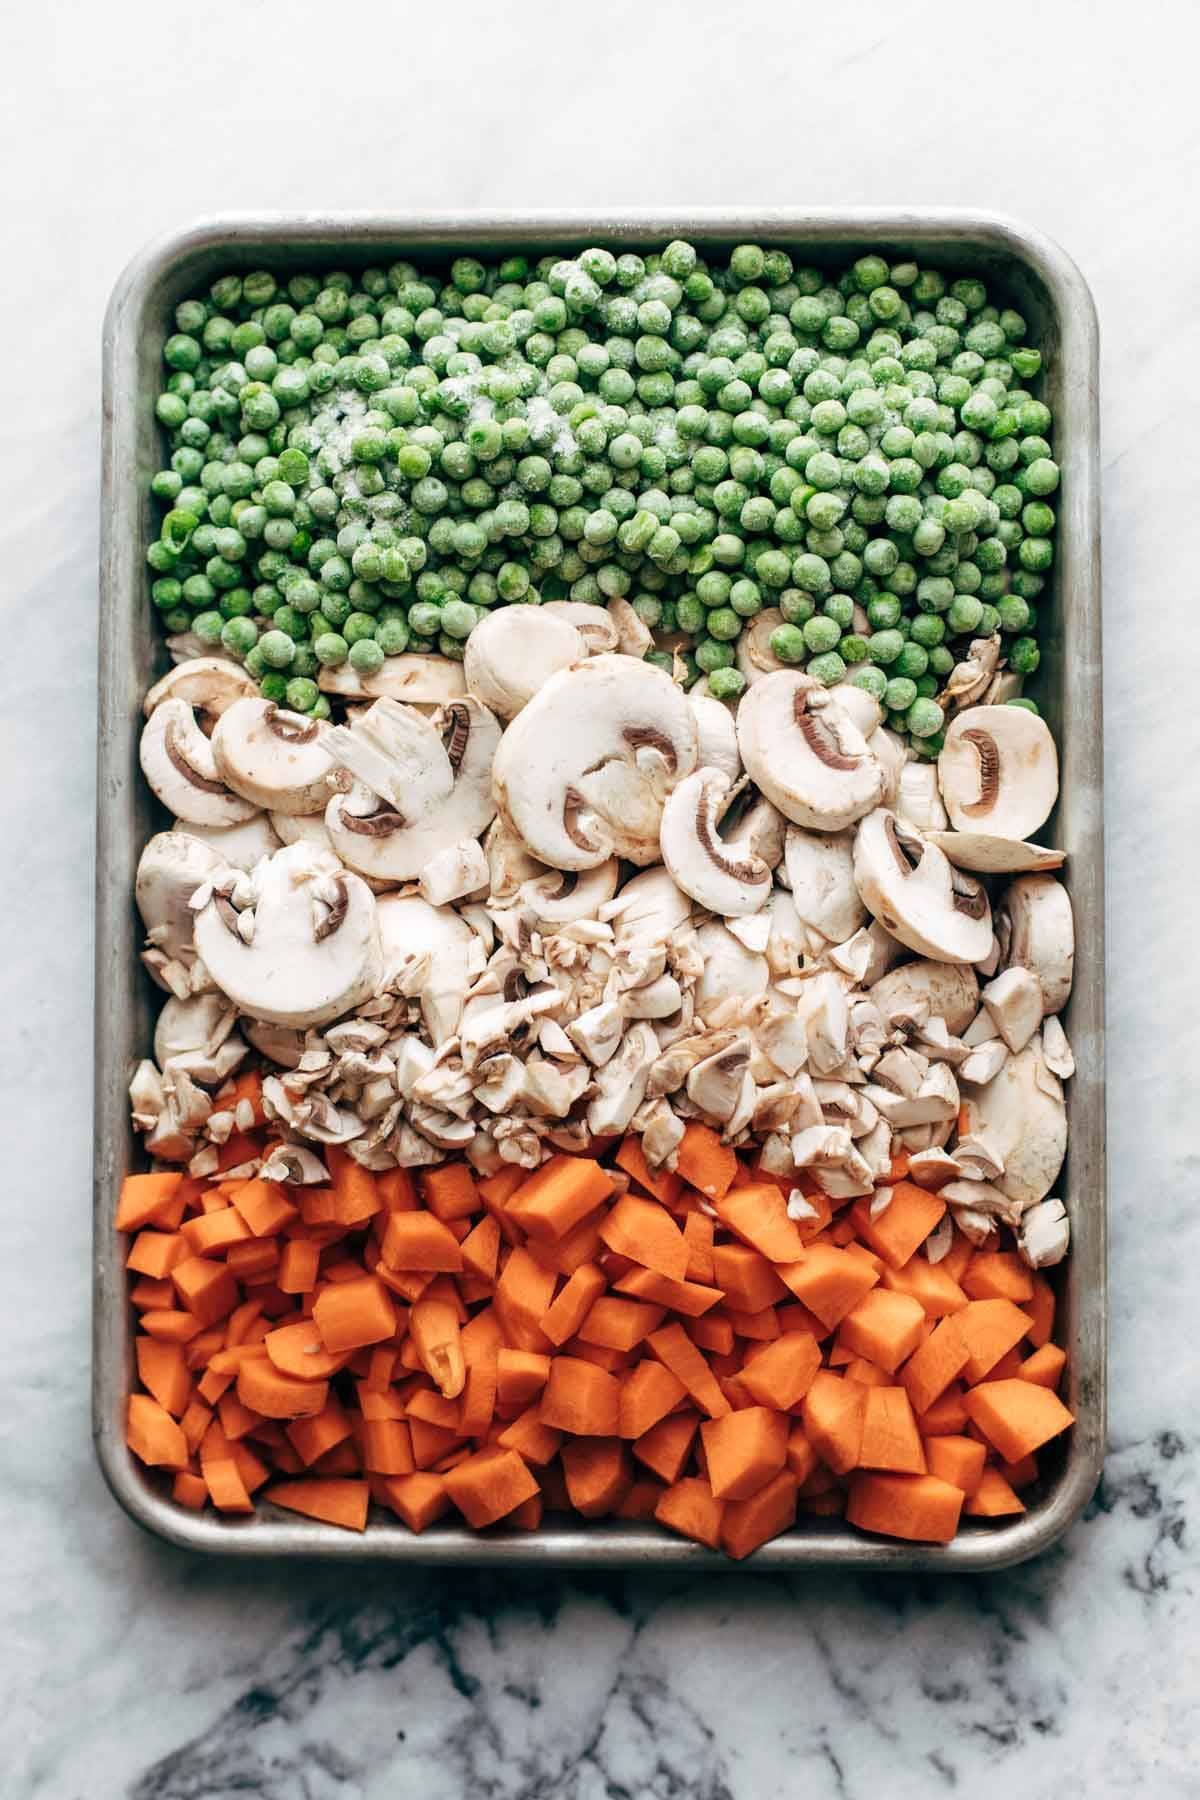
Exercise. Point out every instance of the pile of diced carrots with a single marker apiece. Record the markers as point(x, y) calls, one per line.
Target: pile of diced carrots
point(594, 1338)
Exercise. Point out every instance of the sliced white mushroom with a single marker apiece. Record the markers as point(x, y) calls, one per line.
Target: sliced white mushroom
point(512, 651)
point(509, 862)
point(717, 735)
point(1044, 1234)
point(620, 1085)
point(417, 680)
point(170, 869)
point(917, 895)
point(583, 771)
point(932, 1169)
point(998, 771)
point(731, 972)
point(936, 1098)
point(697, 859)
point(597, 1032)
point(919, 799)
point(593, 624)
point(805, 753)
point(438, 941)
point(821, 1006)
point(920, 990)
point(422, 786)
point(754, 931)
point(864, 709)
point(1014, 1003)
point(314, 952)
point(820, 868)
point(195, 1035)
point(1021, 1112)
point(278, 759)
point(1041, 934)
point(177, 761)
point(715, 1085)
point(755, 657)
point(561, 896)
point(209, 684)
point(634, 636)
point(649, 909)
point(868, 955)
point(1060, 1059)
point(995, 855)
point(454, 873)
point(658, 999)
point(971, 679)
point(891, 753)
point(237, 846)
point(984, 1062)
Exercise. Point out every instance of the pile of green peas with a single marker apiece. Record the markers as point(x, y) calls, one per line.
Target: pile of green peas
point(365, 464)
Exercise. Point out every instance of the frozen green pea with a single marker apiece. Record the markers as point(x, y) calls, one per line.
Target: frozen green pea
point(828, 668)
point(899, 694)
point(912, 661)
point(924, 717)
point(822, 634)
point(1026, 705)
point(726, 684)
point(330, 649)
point(885, 646)
point(788, 643)
point(1024, 655)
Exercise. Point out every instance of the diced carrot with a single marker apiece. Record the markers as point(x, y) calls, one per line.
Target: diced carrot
point(425, 1404)
point(163, 1372)
point(748, 1280)
point(352, 1313)
point(237, 1419)
point(664, 1184)
point(938, 1293)
point(571, 1306)
point(240, 1148)
point(947, 1415)
point(416, 1241)
point(449, 1191)
point(189, 1490)
point(1010, 1364)
point(998, 1275)
point(1045, 1366)
point(698, 1236)
point(479, 1396)
point(1022, 1473)
point(889, 1436)
point(780, 1373)
point(206, 1288)
point(298, 1266)
point(480, 1249)
point(419, 1499)
point(801, 1457)
point(712, 1332)
point(312, 1437)
point(884, 1327)
point(581, 1399)
point(705, 1161)
point(646, 1233)
point(762, 1326)
point(433, 1331)
point(1040, 1311)
point(619, 1324)
point(334, 1502)
point(387, 1447)
point(688, 1298)
point(743, 1450)
point(355, 1196)
point(598, 1471)
point(410, 1285)
point(829, 1282)
point(833, 1412)
point(640, 1500)
point(747, 1524)
point(1017, 1417)
point(672, 1346)
point(171, 1325)
point(156, 1253)
point(614, 1361)
point(265, 1390)
point(956, 1459)
point(430, 1444)
point(488, 1485)
point(535, 1442)
point(957, 1257)
point(559, 1195)
point(868, 1373)
point(648, 1393)
point(990, 1329)
point(152, 1296)
point(147, 1200)
point(153, 1435)
point(921, 1508)
point(226, 1488)
point(520, 1376)
point(265, 1206)
point(935, 1364)
point(568, 1253)
point(690, 1508)
point(758, 1215)
point(523, 1295)
point(903, 1225)
point(993, 1498)
point(299, 1350)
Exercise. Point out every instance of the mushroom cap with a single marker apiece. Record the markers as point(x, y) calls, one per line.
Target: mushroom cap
point(513, 651)
point(820, 868)
point(1042, 934)
point(730, 970)
point(177, 761)
point(593, 623)
point(417, 679)
point(950, 989)
point(422, 785)
point(710, 871)
point(913, 890)
point(1021, 1111)
point(998, 771)
point(278, 759)
point(582, 772)
point(994, 855)
point(717, 735)
point(805, 753)
point(315, 950)
point(211, 684)
point(170, 869)
point(237, 846)
point(755, 657)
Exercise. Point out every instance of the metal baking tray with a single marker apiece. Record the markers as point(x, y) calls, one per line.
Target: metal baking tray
point(1033, 274)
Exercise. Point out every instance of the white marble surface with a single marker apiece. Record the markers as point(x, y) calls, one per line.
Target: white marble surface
point(129, 1669)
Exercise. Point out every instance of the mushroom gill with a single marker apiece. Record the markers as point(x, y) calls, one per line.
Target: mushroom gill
point(986, 749)
point(819, 735)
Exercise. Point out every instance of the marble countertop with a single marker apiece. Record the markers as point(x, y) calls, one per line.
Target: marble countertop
point(134, 1670)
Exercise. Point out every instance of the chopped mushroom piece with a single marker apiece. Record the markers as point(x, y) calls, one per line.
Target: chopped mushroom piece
point(1060, 1059)
point(417, 680)
point(820, 868)
point(805, 752)
point(171, 867)
point(235, 846)
point(1014, 1002)
point(919, 800)
point(454, 873)
point(1021, 1112)
point(917, 895)
point(1044, 1234)
point(1041, 934)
